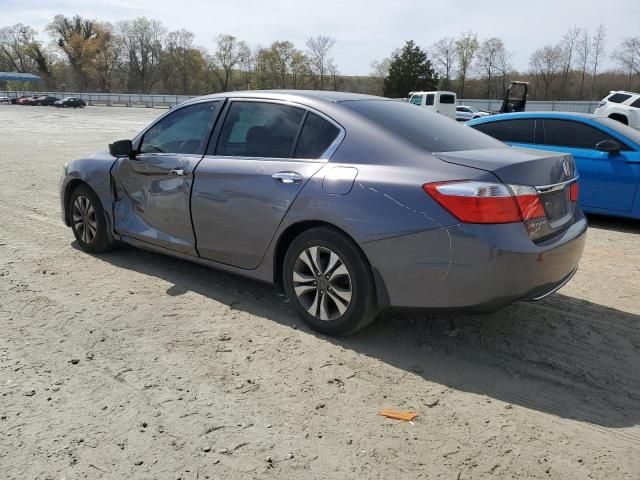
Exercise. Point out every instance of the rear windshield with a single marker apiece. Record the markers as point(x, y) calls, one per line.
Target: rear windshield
point(447, 98)
point(430, 131)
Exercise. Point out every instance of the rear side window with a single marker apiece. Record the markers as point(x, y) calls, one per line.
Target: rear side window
point(618, 98)
point(636, 103)
point(430, 98)
point(422, 128)
point(416, 99)
point(316, 136)
point(566, 133)
point(259, 129)
point(446, 98)
point(516, 131)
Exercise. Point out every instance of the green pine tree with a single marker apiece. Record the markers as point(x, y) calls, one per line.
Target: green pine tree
point(410, 70)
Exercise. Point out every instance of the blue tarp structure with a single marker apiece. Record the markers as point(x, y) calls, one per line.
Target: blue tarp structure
point(18, 77)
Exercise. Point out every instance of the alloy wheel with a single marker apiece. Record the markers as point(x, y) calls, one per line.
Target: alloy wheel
point(84, 219)
point(322, 283)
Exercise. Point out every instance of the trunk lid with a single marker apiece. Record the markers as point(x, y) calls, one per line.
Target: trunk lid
point(551, 173)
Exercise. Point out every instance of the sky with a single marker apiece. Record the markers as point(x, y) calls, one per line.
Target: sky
point(364, 30)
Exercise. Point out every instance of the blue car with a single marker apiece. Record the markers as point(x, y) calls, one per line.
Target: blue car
point(606, 152)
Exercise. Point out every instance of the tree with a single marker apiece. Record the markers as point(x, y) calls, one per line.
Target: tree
point(598, 53)
point(567, 45)
point(380, 71)
point(627, 57)
point(443, 53)
point(583, 54)
point(318, 50)
point(229, 53)
point(80, 40)
point(17, 49)
point(142, 41)
point(410, 69)
point(490, 52)
point(546, 63)
point(466, 47)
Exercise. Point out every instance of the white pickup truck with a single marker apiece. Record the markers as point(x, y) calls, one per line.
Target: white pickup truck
point(440, 102)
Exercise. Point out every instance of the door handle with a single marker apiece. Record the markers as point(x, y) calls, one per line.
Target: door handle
point(180, 172)
point(287, 177)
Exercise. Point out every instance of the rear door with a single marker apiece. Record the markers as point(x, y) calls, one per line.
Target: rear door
point(607, 181)
point(153, 189)
point(264, 154)
point(518, 132)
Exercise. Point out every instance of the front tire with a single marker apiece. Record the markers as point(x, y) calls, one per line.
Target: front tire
point(88, 222)
point(329, 282)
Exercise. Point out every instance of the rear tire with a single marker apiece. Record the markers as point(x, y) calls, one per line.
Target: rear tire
point(88, 222)
point(329, 282)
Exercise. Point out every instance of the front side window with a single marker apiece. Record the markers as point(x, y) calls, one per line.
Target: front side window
point(618, 97)
point(316, 136)
point(259, 129)
point(416, 99)
point(565, 133)
point(181, 132)
point(516, 131)
point(636, 104)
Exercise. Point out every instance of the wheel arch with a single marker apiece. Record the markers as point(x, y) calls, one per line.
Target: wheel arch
point(70, 187)
point(620, 117)
point(295, 229)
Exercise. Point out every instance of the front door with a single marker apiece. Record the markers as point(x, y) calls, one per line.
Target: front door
point(153, 189)
point(244, 186)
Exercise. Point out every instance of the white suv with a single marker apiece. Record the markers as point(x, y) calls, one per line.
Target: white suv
point(621, 106)
point(465, 112)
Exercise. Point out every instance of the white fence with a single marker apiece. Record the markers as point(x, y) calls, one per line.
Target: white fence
point(167, 101)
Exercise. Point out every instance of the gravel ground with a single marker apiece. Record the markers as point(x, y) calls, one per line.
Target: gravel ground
point(136, 365)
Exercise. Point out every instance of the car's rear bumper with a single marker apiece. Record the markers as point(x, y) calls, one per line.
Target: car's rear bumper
point(473, 267)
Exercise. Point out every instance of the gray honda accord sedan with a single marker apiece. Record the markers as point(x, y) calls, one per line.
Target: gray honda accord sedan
point(353, 203)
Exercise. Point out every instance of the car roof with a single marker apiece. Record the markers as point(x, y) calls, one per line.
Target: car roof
point(513, 116)
point(321, 95)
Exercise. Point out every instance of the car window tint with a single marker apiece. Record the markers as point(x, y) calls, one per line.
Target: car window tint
point(424, 129)
point(259, 129)
point(446, 98)
point(636, 103)
point(416, 99)
point(316, 136)
point(624, 130)
point(181, 131)
point(566, 133)
point(517, 131)
point(618, 97)
point(430, 98)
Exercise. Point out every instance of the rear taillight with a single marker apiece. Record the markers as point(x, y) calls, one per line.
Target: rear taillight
point(485, 202)
point(574, 190)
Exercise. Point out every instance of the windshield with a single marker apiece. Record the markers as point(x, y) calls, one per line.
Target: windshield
point(424, 129)
point(624, 130)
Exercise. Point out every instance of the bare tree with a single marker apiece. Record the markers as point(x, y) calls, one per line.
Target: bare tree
point(466, 48)
point(230, 52)
point(627, 56)
point(546, 64)
point(380, 70)
point(318, 50)
point(583, 54)
point(443, 53)
point(489, 54)
point(504, 67)
point(142, 40)
point(598, 53)
point(567, 45)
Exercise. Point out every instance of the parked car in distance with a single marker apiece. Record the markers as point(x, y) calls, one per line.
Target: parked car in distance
point(44, 100)
point(443, 103)
point(465, 112)
point(355, 203)
point(4, 99)
point(621, 106)
point(606, 152)
point(68, 102)
point(24, 100)
point(14, 100)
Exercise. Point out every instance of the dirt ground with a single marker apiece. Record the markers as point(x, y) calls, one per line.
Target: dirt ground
point(136, 365)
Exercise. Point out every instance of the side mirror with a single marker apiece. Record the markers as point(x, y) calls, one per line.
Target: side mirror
point(609, 146)
point(121, 148)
